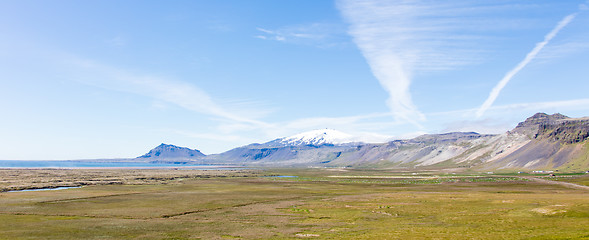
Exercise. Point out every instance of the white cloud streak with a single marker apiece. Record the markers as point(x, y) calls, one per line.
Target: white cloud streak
point(565, 105)
point(575, 104)
point(497, 119)
point(380, 41)
point(402, 38)
point(565, 49)
point(529, 57)
point(179, 93)
point(321, 35)
point(366, 125)
point(231, 125)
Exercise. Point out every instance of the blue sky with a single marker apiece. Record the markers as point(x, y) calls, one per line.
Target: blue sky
point(104, 79)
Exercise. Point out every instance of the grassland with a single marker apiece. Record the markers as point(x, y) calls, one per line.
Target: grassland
point(23, 179)
point(318, 204)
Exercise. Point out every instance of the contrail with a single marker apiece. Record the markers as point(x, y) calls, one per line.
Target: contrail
point(382, 32)
point(531, 55)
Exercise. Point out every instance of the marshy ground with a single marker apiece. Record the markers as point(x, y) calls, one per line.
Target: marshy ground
point(318, 204)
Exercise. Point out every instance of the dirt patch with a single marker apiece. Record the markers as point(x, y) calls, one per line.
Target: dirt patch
point(550, 210)
point(306, 235)
point(564, 184)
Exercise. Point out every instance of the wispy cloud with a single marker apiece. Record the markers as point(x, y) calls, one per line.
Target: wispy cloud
point(270, 35)
point(575, 104)
point(564, 105)
point(232, 122)
point(208, 136)
point(183, 94)
point(315, 34)
point(374, 127)
point(403, 39)
point(529, 57)
point(584, 6)
point(374, 29)
point(498, 120)
point(400, 38)
point(117, 41)
point(564, 49)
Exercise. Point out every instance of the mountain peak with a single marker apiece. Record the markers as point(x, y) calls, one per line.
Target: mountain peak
point(542, 118)
point(168, 151)
point(531, 124)
point(318, 137)
point(542, 115)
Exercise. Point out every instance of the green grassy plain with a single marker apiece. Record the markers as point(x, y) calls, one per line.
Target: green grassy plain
point(318, 204)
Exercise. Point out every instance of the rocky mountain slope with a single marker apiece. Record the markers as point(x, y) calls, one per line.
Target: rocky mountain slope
point(541, 142)
point(421, 151)
point(559, 142)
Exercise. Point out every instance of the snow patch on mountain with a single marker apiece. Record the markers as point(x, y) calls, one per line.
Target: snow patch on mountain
point(318, 137)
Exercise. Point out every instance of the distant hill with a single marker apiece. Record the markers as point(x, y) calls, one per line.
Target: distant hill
point(171, 153)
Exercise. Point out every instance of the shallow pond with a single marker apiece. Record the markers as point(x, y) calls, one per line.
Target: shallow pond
point(43, 189)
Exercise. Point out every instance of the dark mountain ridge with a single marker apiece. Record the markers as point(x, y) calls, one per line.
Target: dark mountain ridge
point(566, 131)
point(167, 152)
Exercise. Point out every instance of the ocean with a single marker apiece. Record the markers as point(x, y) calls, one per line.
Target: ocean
point(83, 164)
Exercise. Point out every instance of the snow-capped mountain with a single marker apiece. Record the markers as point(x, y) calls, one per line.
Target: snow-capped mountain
point(540, 142)
point(318, 137)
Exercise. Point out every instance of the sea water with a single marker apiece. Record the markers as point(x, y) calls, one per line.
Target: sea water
point(83, 164)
